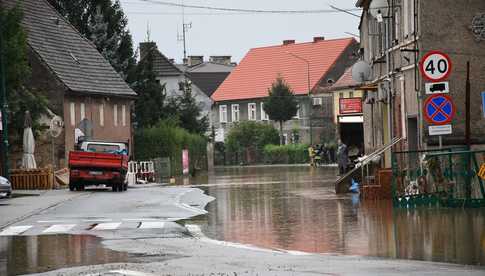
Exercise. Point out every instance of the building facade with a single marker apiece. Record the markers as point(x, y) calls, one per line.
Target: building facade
point(305, 67)
point(395, 35)
point(81, 86)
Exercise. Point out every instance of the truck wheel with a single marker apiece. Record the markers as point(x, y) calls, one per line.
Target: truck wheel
point(71, 187)
point(79, 187)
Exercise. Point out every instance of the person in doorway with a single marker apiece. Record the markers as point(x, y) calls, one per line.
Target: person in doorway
point(343, 157)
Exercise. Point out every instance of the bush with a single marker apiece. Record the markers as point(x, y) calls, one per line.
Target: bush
point(247, 139)
point(168, 140)
point(286, 154)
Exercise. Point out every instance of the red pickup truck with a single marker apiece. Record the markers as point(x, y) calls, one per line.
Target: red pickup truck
point(99, 163)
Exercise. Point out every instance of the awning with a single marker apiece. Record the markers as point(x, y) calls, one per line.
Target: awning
point(351, 119)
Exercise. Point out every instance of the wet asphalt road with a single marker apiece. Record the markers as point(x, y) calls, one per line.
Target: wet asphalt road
point(264, 221)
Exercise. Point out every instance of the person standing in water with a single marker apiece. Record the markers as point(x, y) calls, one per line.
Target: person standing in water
point(342, 157)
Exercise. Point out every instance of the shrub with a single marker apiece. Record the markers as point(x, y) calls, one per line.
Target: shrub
point(248, 138)
point(286, 154)
point(168, 140)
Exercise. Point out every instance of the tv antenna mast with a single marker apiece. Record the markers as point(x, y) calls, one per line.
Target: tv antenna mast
point(185, 28)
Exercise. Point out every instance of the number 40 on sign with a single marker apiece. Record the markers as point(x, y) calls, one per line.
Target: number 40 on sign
point(435, 66)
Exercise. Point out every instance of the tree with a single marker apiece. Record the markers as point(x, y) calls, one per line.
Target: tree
point(105, 24)
point(188, 111)
point(250, 135)
point(17, 73)
point(281, 104)
point(149, 107)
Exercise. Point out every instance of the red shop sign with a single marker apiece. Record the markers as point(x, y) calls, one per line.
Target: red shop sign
point(350, 105)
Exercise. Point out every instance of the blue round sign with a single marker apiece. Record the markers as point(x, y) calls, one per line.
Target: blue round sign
point(439, 109)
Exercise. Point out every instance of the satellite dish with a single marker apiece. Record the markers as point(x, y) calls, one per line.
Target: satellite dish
point(55, 126)
point(379, 8)
point(361, 72)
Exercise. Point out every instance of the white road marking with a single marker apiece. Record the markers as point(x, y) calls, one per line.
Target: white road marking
point(107, 226)
point(130, 272)
point(59, 228)
point(152, 224)
point(15, 230)
point(54, 221)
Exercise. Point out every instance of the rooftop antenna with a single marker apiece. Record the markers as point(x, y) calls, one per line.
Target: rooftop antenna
point(148, 32)
point(185, 28)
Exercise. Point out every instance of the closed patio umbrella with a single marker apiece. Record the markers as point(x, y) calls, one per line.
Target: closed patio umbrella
point(28, 159)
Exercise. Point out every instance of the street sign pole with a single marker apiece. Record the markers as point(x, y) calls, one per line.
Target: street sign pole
point(4, 109)
point(440, 141)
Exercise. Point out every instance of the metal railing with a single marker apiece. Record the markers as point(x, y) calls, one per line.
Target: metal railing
point(443, 177)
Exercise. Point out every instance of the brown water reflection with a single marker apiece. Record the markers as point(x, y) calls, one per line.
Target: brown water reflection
point(295, 208)
point(30, 254)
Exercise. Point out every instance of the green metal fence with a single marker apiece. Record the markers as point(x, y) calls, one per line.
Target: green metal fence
point(446, 177)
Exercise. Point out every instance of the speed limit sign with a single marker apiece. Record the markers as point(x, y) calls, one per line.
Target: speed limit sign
point(435, 66)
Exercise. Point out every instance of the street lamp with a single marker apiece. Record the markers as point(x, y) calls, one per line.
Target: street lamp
point(309, 92)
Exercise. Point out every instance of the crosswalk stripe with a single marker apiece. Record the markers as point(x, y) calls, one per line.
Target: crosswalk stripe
point(15, 230)
point(107, 226)
point(59, 228)
point(152, 224)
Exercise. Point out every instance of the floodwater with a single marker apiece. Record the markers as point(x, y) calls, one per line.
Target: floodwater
point(295, 208)
point(34, 254)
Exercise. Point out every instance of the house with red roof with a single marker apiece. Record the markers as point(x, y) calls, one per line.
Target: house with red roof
point(304, 66)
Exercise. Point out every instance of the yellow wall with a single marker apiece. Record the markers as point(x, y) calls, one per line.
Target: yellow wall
point(345, 93)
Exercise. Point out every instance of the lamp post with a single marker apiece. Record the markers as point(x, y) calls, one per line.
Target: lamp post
point(309, 92)
point(4, 108)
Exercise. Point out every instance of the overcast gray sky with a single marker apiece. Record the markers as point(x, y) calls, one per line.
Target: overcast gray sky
point(223, 33)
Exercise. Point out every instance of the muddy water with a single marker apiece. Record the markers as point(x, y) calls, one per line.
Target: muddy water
point(295, 208)
point(29, 254)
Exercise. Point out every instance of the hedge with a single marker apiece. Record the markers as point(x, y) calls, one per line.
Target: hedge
point(286, 154)
point(167, 140)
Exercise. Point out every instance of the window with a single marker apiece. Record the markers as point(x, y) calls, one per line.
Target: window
point(341, 95)
point(264, 116)
point(252, 111)
point(115, 114)
point(351, 94)
point(83, 111)
point(72, 112)
point(317, 101)
point(235, 113)
point(101, 114)
point(123, 115)
point(297, 115)
point(223, 113)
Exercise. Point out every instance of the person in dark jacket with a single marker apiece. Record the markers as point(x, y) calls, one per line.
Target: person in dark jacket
point(342, 157)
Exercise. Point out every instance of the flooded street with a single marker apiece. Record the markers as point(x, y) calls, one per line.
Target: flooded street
point(295, 208)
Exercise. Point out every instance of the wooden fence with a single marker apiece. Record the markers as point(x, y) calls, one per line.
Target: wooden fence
point(36, 179)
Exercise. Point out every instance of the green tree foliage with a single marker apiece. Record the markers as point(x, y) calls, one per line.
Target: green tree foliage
point(149, 107)
point(187, 111)
point(281, 104)
point(105, 24)
point(250, 135)
point(17, 73)
point(166, 139)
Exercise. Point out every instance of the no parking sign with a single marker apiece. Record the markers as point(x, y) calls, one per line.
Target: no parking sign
point(439, 109)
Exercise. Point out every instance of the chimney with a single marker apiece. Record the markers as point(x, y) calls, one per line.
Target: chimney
point(225, 60)
point(195, 60)
point(288, 42)
point(146, 47)
point(318, 38)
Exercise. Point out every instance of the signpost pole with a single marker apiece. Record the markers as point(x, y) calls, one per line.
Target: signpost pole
point(467, 133)
point(440, 141)
point(4, 109)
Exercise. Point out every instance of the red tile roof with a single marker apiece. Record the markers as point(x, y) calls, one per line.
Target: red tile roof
point(345, 80)
point(261, 66)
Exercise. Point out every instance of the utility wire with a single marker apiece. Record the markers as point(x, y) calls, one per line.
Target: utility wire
point(320, 11)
